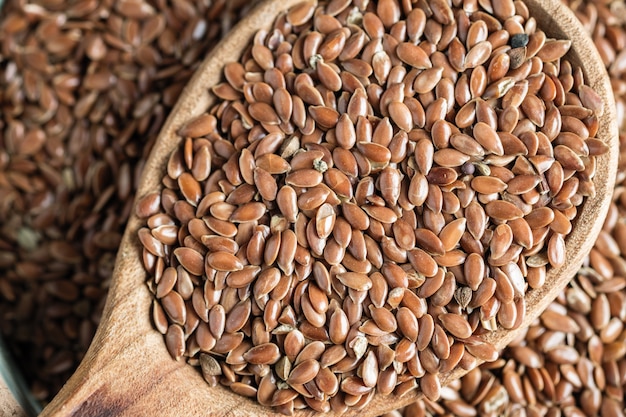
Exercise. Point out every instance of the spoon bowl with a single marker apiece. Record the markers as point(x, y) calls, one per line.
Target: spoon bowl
point(128, 370)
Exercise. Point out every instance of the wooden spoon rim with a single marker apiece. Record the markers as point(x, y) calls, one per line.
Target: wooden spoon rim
point(127, 370)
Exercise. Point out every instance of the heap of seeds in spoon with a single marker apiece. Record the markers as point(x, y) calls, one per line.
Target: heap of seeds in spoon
point(377, 185)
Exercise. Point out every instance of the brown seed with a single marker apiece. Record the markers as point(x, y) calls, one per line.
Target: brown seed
point(304, 178)
point(150, 242)
point(384, 319)
point(355, 216)
point(556, 250)
point(502, 210)
point(354, 386)
point(413, 55)
point(325, 117)
point(429, 242)
point(266, 184)
point(456, 325)
point(501, 240)
point(325, 220)
point(478, 54)
point(389, 185)
point(159, 318)
point(308, 200)
point(327, 381)
point(243, 277)
point(401, 115)
point(487, 137)
point(338, 327)
point(283, 104)
point(484, 351)
point(407, 323)
point(300, 14)
point(590, 99)
point(442, 176)
point(568, 158)
point(304, 372)
point(488, 185)
point(345, 132)
point(356, 281)
point(201, 167)
point(431, 387)
point(382, 214)
point(199, 126)
point(190, 188)
point(223, 261)
point(535, 109)
point(248, 212)
point(237, 317)
point(287, 251)
point(284, 396)
point(267, 353)
point(554, 49)
point(190, 259)
point(378, 155)
point(423, 263)
point(175, 341)
point(174, 306)
point(424, 152)
point(148, 205)
point(286, 198)
point(338, 182)
point(451, 234)
point(418, 189)
point(271, 163)
point(388, 11)
point(449, 157)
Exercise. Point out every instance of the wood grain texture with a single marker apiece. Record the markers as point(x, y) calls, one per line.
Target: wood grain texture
point(9, 406)
point(128, 371)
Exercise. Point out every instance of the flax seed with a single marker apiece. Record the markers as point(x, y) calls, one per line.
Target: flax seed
point(408, 189)
point(175, 341)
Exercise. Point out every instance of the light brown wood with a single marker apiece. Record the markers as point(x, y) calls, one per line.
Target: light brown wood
point(128, 372)
point(9, 406)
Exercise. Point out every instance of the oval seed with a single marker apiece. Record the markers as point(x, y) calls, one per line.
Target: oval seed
point(223, 261)
point(456, 325)
point(175, 341)
point(356, 281)
point(265, 354)
point(304, 372)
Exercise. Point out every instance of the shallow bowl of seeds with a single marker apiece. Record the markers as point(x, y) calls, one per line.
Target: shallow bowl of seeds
point(352, 203)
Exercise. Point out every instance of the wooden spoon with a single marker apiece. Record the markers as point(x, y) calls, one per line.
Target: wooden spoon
point(15, 397)
point(128, 371)
point(8, 404)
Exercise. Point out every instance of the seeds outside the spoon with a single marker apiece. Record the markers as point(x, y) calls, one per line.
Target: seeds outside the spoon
point(456, 268)
point(83, 99)
point(607, 41)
